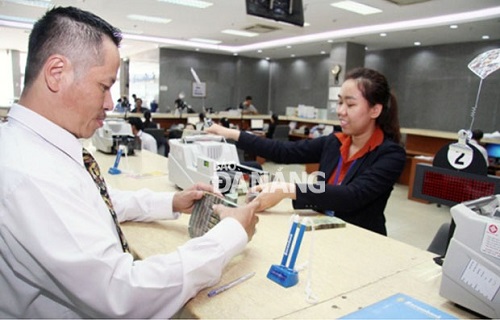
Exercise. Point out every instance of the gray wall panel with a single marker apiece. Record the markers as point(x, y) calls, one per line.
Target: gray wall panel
point(435, 88)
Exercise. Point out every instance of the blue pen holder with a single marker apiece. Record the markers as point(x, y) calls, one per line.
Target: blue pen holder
point(114, 169)
point(283, 276)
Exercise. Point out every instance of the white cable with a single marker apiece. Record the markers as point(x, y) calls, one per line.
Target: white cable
point(310, 296)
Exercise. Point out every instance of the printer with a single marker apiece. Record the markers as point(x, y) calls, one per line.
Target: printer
point(208, 159)
point(113, 134)
point(471, 268)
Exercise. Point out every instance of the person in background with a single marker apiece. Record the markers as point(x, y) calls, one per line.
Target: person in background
point(148, 123)
point(61, 252)
point(272, 126)
point(247, 107)
point(200, 125)
point(125, 104)
point(153, 106)
point(118, 106)
point(138, 106)
point(147, 141)
point(225, 122)
point(317, 131)
point(357, 167)
point(475, 140)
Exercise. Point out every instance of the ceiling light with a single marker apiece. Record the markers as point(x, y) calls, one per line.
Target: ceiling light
point(322, 52)
point(259, 51)
point(442, 20)
point(132, 31)
point(190, 3)
point(383, 34)
point(32, 3)
point(288, 47)
point(292, 55)
point(151, 19)
point(205, 40)
point(240, 33)
point(485, 37)
point(376, 28)
point(453, 26)
point(355, 7)
point(416, 43)
point(18, 19)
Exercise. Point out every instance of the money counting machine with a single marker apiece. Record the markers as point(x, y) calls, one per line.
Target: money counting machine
point(471, 269)
point(112, 135)
point(209, 159)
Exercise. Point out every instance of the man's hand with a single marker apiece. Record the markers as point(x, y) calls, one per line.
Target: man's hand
point(245, 215)
point(184, 200)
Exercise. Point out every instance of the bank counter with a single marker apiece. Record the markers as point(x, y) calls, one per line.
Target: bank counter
point(348, 268)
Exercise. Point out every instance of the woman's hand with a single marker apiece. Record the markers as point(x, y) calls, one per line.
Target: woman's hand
point(270, 194)
point(223, 131)
point(245, 215)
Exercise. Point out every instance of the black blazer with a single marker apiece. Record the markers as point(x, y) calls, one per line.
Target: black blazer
point(363, 195)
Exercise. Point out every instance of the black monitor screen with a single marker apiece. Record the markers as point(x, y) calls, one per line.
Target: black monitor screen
point(493, 150)
point(290, 11)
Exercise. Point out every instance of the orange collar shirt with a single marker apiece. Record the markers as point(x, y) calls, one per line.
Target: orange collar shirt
point(345, 162)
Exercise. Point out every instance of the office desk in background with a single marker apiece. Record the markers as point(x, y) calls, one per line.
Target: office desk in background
point(351, 267)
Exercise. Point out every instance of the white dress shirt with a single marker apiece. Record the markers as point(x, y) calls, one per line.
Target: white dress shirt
point(481, 149)
point(148, 142)
point(60, 253)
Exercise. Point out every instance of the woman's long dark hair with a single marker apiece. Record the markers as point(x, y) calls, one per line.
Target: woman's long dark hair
point(375, 89)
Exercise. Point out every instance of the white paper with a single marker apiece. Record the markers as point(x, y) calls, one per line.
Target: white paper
point(481, 279)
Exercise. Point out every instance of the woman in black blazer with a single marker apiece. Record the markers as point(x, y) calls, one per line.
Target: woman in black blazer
point(358, 166)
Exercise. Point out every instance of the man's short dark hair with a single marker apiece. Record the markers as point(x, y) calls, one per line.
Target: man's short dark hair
point(71, 32)
point(477, 134)
point(248, 98)
point(136, 122)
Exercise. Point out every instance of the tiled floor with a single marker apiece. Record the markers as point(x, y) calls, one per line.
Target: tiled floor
point(408, 221)
point(413, 222)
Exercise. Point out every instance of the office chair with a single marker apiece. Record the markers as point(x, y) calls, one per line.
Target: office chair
point(281, 132)
point(439, 243)
point(161, 141)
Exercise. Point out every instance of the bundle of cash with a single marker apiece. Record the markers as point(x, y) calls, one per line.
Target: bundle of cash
point(203, 218)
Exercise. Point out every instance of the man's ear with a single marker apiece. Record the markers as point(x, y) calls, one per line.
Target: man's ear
point(54, 70)
point(376, 110)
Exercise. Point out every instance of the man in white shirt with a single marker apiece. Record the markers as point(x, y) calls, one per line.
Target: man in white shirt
point(148, 142)
point(247, 107)
point(61, 254)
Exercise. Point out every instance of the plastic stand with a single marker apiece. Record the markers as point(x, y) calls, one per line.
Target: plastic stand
point(114, 169)
point(281, 274)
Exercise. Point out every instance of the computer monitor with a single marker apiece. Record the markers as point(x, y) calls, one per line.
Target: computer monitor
point(193, 120)
point(289, 11)
point(493, 150)
point(257, 124)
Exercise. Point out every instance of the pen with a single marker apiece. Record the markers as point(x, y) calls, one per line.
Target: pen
point(231, 284)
